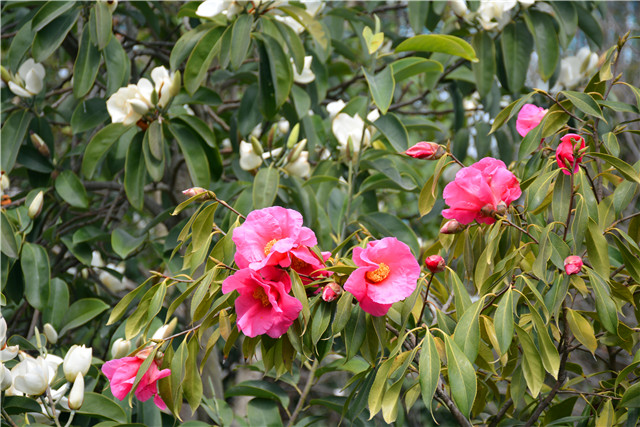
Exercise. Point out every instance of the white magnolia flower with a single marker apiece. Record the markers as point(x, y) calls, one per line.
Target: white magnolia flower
point(96, 259)
point(306, 76)
point(120, 348)
point(36, 205)
point(3, 324)
point(211, 8)
point(76, 397)
point(129, 104)
point(346, 127)
point(5, 377)
point(111, 282)
point(4, 185)
point(167, 85)
point(9, 352)
point(291, 22)
point(333, 108)
point(249, 160)
point(491, 13)
point(31, 376)
point(257, 131)
point(283, 126)
point(165, 331)
point(52, 362)
point(77, 359)
point(313, 7)
point(459, 7)
point(574, 69)
point(300, 167)
point(373, 115)
point(30, 79)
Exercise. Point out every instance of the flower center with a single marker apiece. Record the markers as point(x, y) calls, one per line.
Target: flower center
point(260, 295)
point(379, 274)
point(268, 246)
point(297, 264)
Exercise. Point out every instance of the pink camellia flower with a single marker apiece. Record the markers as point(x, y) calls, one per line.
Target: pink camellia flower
point(479, 191)
point(426, 150)
point(122, 374)
point(387, 273)
point(310, 271)
point(331, 291)
point(572, 264)
point(529, 117)
point(435, 263)
point(564, 153)
point(273, 236)
point(264, 305)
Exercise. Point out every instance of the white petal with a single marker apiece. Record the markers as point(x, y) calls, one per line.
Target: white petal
point(33, 82)
point(19, 90)
point(25, 68)
point(210, 8)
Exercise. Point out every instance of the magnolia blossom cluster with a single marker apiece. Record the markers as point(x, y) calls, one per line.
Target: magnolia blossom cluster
point(130, 103)
point(351, 132)
point(29, 81)
point(491, 14)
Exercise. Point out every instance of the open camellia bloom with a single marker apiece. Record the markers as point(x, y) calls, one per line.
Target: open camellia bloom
point(273, 236)
point(478, 191)
point(264, 305)
point(122, 374)
point(387, 273)
point(529, 117)
point(564, 153)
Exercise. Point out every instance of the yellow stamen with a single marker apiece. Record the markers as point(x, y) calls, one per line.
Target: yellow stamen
point(268, 246)
point(379, 274)
point(260, 295)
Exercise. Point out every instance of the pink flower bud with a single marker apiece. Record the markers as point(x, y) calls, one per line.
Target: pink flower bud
point(426, 150)
point(566, 152)
point(435, 263)
point(573, 264)
point(452, 227)
point(331, 292)
point(193, 191)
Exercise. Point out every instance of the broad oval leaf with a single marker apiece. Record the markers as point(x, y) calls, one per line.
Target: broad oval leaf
point(443, 43)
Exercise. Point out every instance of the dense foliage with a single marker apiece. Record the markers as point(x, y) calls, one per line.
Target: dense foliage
point(350, 212)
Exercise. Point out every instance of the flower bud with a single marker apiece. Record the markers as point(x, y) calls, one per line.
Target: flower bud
point(120, 348)
point(283, 126)
point(165, 331)
point(452, 227)
point(40, 145)
point(435, 263)
point(4, 182)
point(31, 376)
point(139, 106)
point(299, 147)
point(36, 205)
point(6, 380)
point(76, 396)
point(331, 291)
point(3, 331)
point(50, 333)
point(5, 74)
point(77, 360)
point(194, 191)
point(256, 145)
point(174, 88)
point(572, 264)
point(426, 150)
point(501, 208)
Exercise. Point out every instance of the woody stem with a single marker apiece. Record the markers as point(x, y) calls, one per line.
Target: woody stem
point(426, 296)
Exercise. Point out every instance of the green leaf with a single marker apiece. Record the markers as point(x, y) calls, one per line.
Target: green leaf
point(381, 86)
point(263, 412)
point(81, 312)
point(70, 188)
point(320, 320)
point(50, 37)
point(504, 321)
point(300, 293)
point(485, 69)
point(461, 296)
point(192, 147)
point(37, 274)
point(589, 25)
point(124, 243)
point(412, 66)
point(584, 102)
point(509, 111)
point(429, 370)
point(100, 22)
point(391, 127)
point(85, 69)
point(240, 39)
point(467, 332)
point(621, 166)
point(275, 76)
point(567, 18)
point(265, 187)
point(118, 66)
point(9, 245)
point(99, 145)
point(57, 304)
point(122, 305)
point(582, 330)
point(88, 115)
point(443, 43)
point(548, 352)
point(462, 377)
point(355, 331)
point(605, 306)
point(531, 362)
point(257, 388)
point(313, 26)
point(153, 150)
point(100, 406)
point(185, 44)
point(517, 44)
point(631, 397)
point(597, 249)
point(544, 32)
point(135, 173)
point(343, 312)
point(48, 12)
point(12, 134)
point(192, 384)
point(200, 58)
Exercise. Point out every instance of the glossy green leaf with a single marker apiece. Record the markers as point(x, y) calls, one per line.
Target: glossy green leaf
point(118, 66)
point(548, 352)
point(485, 69)
point(153, 151)
point(631, 397)
point(443, 43)
point(192, 147)
point(37, 274)
point(413, 66)
point(262, 389)
point(597, 249)
point(81, 311)
point(48, 12)
point(70, 188)
point(467, 332)
point(381, 86)
point(265, 187)
point(584, 102)
point(86, 67)
point(462, 377)
point(100, 406)
point(545, 35)
point(532, 367)
point(605, 306)
point(50, 37)
point(57, 304)
point(509, 111)
point(504, 321)
point(392, 128)
point(200, 58)
point(275, 75)
point(9, 245)
point(135, 173)
point(13, 132)
point(263, 412)
point(621, 166)
point(355, 331)
point(99, 145)
point(429, 369)
point(192, 384)
point(89, 114)
point(517, 44)
point(100, 22)
point(124, 243)
point(240, 39)
point(582, 330)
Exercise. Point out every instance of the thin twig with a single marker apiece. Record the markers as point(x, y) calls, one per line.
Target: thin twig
point(503, 410)
point(305, 393)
